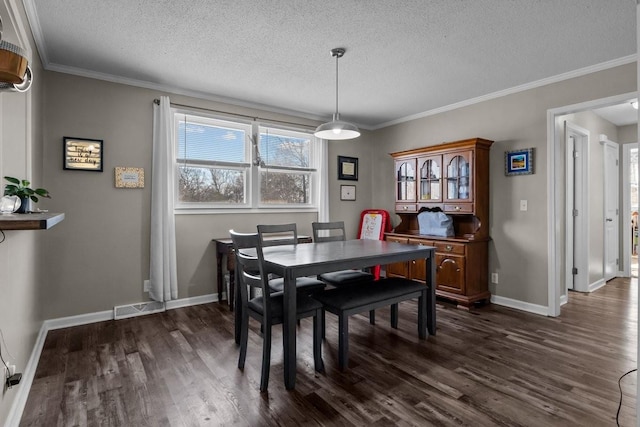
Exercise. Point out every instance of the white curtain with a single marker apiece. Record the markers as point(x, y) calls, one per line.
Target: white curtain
point(163, 272)
point(323, 204)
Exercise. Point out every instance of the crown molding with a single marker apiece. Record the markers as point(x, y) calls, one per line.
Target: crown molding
point(532, 85)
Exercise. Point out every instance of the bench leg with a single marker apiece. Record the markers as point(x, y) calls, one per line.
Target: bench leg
point(372, 317)
point(394, 316)
point(422, 315)
point(343, 341)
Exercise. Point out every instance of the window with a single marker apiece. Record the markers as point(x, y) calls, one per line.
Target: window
point(229, 164)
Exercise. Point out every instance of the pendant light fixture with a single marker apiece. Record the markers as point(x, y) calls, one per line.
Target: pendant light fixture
point(337, 129)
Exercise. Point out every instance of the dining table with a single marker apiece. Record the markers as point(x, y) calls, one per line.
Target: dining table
point(311, 259)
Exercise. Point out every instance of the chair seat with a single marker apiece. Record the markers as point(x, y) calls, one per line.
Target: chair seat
point(350, 297)
point(346, 277)
point(304, 284)
point(304, 304)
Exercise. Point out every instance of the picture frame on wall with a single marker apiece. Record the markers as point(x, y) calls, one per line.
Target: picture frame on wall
point(518, 162)
point(347, 168)
point(82, 154)
point(348, 192)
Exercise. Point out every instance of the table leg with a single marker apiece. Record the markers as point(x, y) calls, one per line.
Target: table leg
point(220, 281)
point(232, 288)
point(431, 293)
point(289, 331)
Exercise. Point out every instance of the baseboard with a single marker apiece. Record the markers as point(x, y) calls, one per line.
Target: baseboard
point(564, 299)
point(542, 310)
point(15, 413)
point(596, 285)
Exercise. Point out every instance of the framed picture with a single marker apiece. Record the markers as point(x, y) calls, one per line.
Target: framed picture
point(129, 177)
point(347, 192)
point(518, 162)
point(82, 154)
point(348, 168)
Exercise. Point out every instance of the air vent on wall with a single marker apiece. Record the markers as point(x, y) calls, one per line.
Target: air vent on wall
point(133, 310)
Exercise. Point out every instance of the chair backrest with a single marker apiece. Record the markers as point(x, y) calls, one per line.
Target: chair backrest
point(249, 266)
point(335, 231)
point(277, 234)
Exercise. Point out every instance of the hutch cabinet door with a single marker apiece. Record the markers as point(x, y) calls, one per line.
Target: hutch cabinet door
point(459, 172)
point(397, 269)
point(430, 183)
point(450, 273)
point(406, 180)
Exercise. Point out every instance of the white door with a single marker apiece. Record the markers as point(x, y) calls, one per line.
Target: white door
point(611, 220)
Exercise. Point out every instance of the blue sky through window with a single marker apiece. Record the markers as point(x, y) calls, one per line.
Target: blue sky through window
point(204, 142)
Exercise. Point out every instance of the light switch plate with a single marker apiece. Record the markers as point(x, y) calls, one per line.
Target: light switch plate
point(523, 205)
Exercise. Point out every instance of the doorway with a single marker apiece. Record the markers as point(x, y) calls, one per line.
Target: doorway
point(556, 173)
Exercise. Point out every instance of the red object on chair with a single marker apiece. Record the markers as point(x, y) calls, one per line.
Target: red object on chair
point(373, 224)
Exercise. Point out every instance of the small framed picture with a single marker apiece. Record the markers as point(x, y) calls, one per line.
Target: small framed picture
point(348, 168)
point(129, 177)
point(82, 154)
point(347, 192)
point(518, 162)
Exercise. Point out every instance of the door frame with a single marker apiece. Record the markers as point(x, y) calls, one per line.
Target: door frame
point(577, 190)
point(556, 215)
point(626, 207)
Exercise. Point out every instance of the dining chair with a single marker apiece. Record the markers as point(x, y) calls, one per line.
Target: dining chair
point(286, 234)
point(334, 232)
point(267, 308)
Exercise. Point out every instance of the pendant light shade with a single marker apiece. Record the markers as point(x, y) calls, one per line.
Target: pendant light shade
point(337, 129)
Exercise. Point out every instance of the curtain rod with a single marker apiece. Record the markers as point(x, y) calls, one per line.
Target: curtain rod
point(246, 116)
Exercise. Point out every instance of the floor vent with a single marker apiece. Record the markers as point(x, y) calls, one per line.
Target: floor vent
point(133, 310)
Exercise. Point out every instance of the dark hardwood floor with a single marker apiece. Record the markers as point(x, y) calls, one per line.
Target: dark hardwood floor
point(494, 366)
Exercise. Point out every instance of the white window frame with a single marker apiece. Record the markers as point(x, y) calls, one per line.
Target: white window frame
point(251, 166)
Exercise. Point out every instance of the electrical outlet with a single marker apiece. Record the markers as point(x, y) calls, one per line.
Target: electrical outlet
point(494, 278)
point(146, 285)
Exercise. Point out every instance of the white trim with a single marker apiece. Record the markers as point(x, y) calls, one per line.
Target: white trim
point(532, 85)
point(597, 285)
point(186, 302)
point(520, 305)
point(81, 319)
point(553, 273)
point(626, 207)
point(553, 280)
point(173, 90)
point(17, 408)
point(564, 299)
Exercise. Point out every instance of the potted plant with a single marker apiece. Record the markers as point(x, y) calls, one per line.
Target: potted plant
point(20, 188)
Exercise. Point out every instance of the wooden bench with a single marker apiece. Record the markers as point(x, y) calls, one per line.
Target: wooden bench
point(355, 299)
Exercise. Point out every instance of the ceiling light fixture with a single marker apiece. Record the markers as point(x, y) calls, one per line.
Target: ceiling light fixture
point(634, 104)
point(337, 129)
point(15, 73)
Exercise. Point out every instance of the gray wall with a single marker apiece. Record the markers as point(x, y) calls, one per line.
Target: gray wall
point(518, 250)
point(99, 256)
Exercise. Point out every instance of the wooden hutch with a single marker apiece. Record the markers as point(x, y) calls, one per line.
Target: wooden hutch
point(454, 177)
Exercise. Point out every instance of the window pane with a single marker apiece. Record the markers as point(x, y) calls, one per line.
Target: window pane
point(212, 140)
point(285, 188)
point(212, 185)
point(283, 148)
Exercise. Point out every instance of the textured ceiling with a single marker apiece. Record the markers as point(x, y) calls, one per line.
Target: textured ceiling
point(404, 58)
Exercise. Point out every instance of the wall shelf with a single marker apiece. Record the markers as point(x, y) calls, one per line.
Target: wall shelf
point(30, 221)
